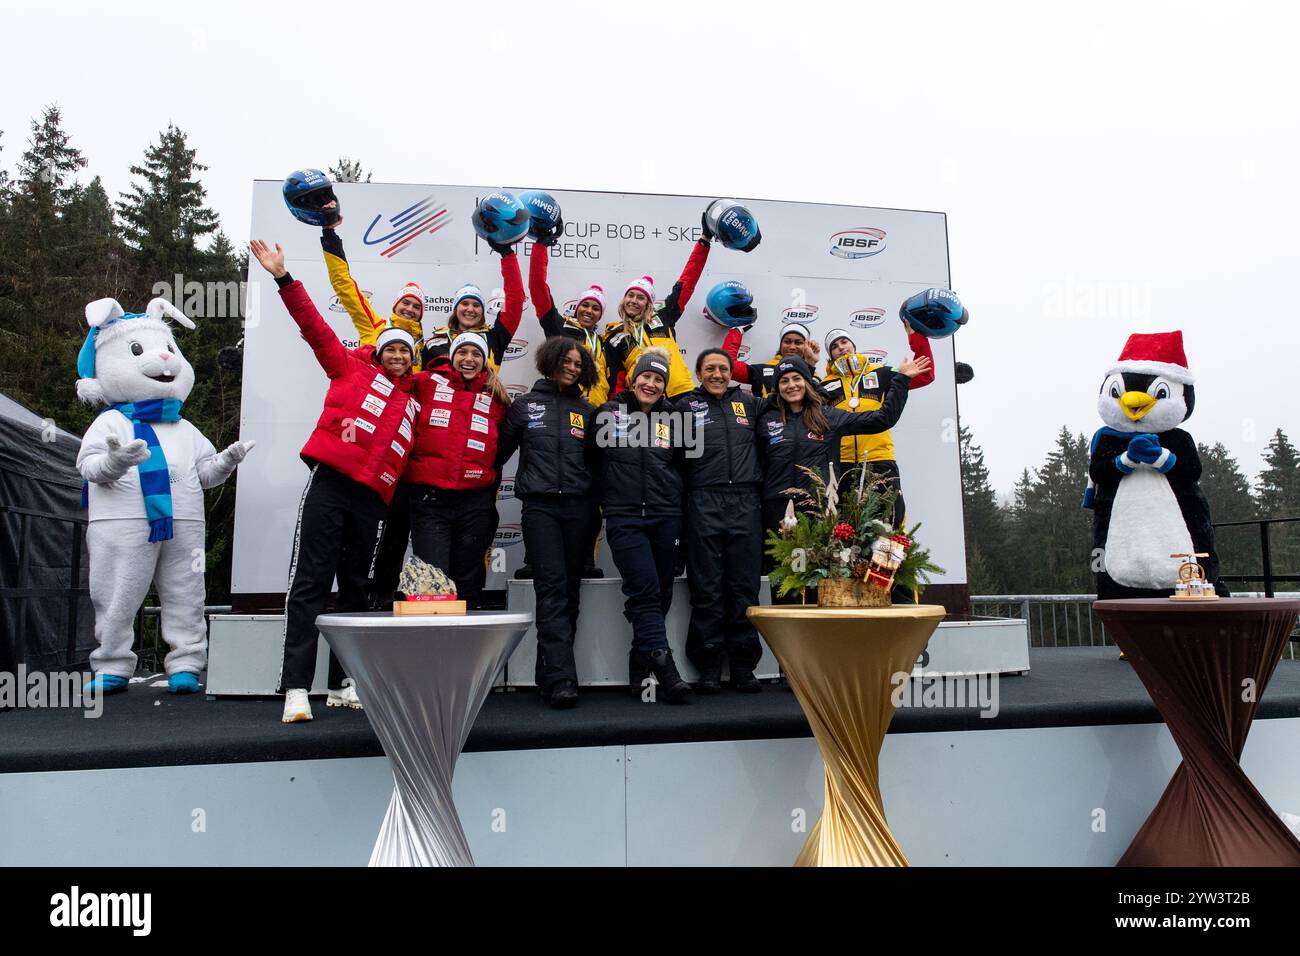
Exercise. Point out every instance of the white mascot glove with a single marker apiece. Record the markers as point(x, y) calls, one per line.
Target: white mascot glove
point(233, 454)
point(122, 458)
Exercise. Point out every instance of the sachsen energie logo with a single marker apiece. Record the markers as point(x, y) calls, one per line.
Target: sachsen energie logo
point(866, 318)
point(857, 243)
point(803, 314)
point(426, 216)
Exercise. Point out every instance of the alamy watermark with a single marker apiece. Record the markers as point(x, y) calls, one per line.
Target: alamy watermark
point(623, 429)
point(956, 690)
point(205, 300)
point(29, 690)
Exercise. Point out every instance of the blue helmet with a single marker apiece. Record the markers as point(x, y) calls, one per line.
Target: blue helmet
point(733, 224)
point(546, 222)
point(935, 313)
point(500, 218)
point(730, 305)
point(306, 192)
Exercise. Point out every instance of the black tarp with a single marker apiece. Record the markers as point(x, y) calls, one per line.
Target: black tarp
point(38, 474)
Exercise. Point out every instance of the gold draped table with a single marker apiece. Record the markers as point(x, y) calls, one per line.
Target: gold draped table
point(841, 664)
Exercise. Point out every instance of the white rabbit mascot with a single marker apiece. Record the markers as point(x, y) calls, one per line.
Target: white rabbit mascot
point(145, 469)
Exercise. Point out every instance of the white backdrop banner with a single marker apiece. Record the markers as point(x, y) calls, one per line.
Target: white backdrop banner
point(825, 266)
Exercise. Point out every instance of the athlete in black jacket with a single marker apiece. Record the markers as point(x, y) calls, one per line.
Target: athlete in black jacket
point(551, 427)
point(797, 429)
point(640, 442)
point(724, 527)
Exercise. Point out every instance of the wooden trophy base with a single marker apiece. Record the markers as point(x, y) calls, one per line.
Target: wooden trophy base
point(413, 608)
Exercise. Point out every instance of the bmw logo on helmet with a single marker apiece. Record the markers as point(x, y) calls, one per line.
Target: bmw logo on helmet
point(935, 313)
point(546, 222)
point(500, 218)
point(733, 224)
point(306, 192)
point(730, 305)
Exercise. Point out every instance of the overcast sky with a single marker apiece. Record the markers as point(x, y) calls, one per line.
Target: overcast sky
point(1106, 167)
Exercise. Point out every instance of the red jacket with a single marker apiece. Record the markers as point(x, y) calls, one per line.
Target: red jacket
point(366, 428)
point(456, 432)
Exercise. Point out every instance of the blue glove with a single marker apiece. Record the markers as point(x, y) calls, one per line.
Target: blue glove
point(1144, 448)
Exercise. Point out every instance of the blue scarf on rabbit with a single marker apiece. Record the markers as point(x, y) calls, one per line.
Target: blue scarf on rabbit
point(155, 481)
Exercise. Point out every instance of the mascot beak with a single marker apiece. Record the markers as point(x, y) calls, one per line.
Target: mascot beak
point(1136, 404)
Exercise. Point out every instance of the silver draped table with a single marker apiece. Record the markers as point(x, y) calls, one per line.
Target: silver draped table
point(422, 681)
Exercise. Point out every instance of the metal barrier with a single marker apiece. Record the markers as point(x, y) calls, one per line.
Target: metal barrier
point(1266, 554)
point(1067, 620)
point(72, 596)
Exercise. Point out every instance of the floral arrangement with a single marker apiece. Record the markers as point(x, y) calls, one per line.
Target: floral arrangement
point(829, 538)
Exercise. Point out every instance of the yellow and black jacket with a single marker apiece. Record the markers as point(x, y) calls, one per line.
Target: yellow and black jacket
point(853, 377)
point(368, 323)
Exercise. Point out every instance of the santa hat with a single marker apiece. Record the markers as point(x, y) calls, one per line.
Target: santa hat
point(595, 294)
point(645, 285)
point(413, 290)
point(1157, 353)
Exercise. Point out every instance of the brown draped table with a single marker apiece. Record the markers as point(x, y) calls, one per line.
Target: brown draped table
point(1205, 665)
point(841, 664)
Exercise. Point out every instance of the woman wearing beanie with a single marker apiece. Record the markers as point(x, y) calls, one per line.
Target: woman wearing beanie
point(452, 471)
point(640, 327)
point(798, 429)
point(854, 383)
point(356, 454)
point(724, 526)
point(640, 450)
point(550, 426)
point(796, 342)
point(582, 327)
point(469, 314)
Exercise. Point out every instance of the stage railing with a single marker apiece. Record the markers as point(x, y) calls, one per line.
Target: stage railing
point(1067, 620)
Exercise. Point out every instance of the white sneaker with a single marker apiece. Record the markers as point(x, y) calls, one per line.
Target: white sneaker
point(347, 697)
point(296, 707)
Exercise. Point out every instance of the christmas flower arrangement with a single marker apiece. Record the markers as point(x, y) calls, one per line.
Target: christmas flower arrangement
point(847, 547)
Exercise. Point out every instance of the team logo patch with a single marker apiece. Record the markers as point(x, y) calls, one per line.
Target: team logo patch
point(577, 433)
point(364, 425)
point(483, 402)
point(813, 436)
point(374, 404)
point(404, 429)
point(382, 385)
point(738, 408)
point(478, 423)
point(440, 417)
point(475, 445)
point(444, 395)
point(741, 421)
point(871, 381)
point(575, 420)
point(400, 449)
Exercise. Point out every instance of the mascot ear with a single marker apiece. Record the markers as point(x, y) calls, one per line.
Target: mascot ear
point(158, 308)
point(103, 310)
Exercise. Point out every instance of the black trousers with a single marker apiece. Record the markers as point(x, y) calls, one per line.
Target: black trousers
point(886, 472)
point(773, 513)
point(452, 530)
point(340, 522)
point(557, 534)
point(724, 552)
point(392, 552)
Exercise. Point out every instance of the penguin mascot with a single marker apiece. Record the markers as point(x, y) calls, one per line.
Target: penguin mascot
point(1144, 474)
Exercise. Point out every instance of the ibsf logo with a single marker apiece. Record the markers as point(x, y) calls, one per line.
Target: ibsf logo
point(337, 306)
point(867, 318)
point(495, 303)
point(857, 243)
point(418, 219)
point(517, 348)
point(507, 488)
point(516, 390)
point(742, 353)
point(803, 314)
point(509, 535)
point(876, 356)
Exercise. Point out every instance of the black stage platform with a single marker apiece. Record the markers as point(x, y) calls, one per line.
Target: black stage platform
point(148, 727)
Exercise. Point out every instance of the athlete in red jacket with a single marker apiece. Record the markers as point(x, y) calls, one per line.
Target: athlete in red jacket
point(357, 452)
point(452, 473)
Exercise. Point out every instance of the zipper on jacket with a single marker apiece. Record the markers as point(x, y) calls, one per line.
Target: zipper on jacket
point(726, 432)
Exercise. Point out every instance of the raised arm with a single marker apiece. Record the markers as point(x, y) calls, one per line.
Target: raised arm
point(684, 288)
point(540, 292)
point(731, 345)
point(920, 346)
point(351, 297)
point(330, 353)
point(891, 409)
point(512, 310)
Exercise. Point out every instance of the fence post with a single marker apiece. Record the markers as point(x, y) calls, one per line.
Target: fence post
point(1268, 559)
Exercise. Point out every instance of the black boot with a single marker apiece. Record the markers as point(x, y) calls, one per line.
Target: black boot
point(671, 686)
point(524, 572)
point(564, 695)
point(591, 571)
point(743, 679)
point(638, 669)
point(709, 662)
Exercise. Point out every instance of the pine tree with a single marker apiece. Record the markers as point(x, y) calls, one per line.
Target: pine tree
point(163, 215)
point(1052, 534)
point(985, 522)
point(1278, 496)
point(1228, 493)
point(347, 171)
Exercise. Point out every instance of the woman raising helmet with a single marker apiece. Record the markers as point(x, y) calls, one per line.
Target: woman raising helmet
point(797, 429)
point(452, 472)
point(550, 426)
point(582, 327)
point(796, 342)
